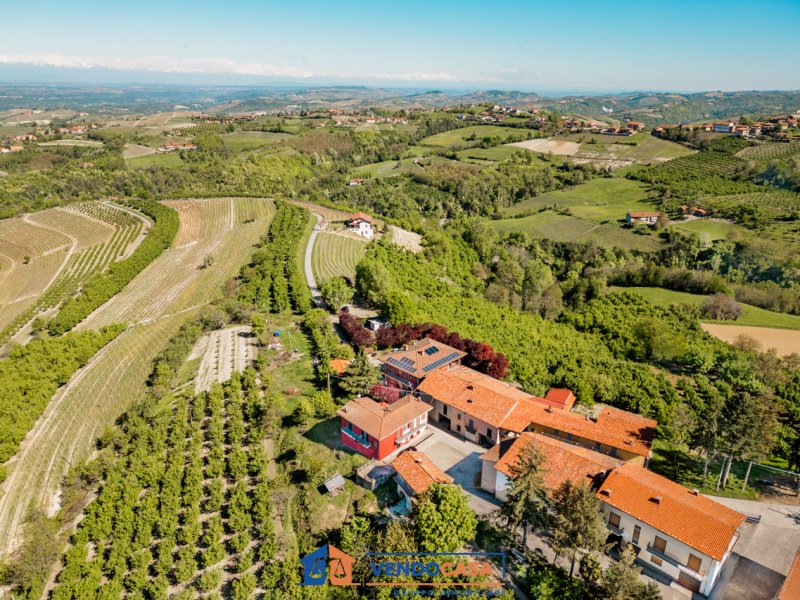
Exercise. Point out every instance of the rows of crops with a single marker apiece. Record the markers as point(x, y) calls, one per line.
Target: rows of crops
point(703, 164)
point(775, 203)
point(185, 506)
point(770, 151)
point(273, 281)
point(83, 264)
point(336, 255)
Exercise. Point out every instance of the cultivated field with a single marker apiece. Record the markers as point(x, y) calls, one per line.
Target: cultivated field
point(223, 352)
point(604, 199)
point(99, 234)
point(336, 254)
point(86, 143)
point(405, 239)
point(136, 150)
point(79, 412)
point(159, 300)
point(248, 140)
point(560, 147)
point(784, 341)
point(220, 230)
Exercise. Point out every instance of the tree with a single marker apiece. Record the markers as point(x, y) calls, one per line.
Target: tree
point(621, 580)
point(443, 520)
point(323, 404)
point(398, 307)
point(526, 500)
point(577, 524)
point(721, 306)
point(360, 375)
point(336, 293)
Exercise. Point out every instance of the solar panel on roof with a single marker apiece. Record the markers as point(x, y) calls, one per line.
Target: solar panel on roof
point(440, 362)
point(432, 350)
point(404, 363)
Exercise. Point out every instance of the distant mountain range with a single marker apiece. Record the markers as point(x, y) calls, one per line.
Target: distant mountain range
point(651, 108)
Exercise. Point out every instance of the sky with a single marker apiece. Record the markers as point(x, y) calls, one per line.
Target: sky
point(545, 46)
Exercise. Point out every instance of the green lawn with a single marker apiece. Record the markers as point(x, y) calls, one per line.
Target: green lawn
point(604, 199)
point(710, 230)
point(751, 315)
point(486, 155)
point(460, 136)
point(567, 228)
point(171, 161)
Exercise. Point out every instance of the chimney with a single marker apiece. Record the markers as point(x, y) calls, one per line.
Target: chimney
point(549, 409)
point(656, 499)
point(695, 491)
point(470, 386)
point(606, 492)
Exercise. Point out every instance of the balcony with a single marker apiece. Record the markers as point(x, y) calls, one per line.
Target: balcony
point(405, 435)
point(357, 438)
point(666, 558)
point(616, 530)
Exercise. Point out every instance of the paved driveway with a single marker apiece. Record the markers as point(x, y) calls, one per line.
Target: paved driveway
point(461, 460)
point(763, 554)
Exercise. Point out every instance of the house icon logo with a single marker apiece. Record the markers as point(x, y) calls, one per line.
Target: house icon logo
point(317, 564)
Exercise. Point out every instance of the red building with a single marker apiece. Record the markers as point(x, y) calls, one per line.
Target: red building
point(378, 429)
point(407, 368)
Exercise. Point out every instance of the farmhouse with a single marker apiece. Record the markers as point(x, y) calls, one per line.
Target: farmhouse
point(362, 224)
point(686, 536)
point(694, 211)
point(637, 125)
point(405, 369)
point(563, 462)
point(723, 127)
point(378, 429)
point(172, 146)
point(642, 217)
point(416, 473)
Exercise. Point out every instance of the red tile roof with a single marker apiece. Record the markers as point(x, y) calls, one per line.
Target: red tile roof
point(791, 587)
point(360, 216)
point(379, 419)
point(418, 471)
point(640, 214)
point(483, 397)
point(563, 461)
point(339, 365)
point(612, 427)
point(697, 521)
point(421, 355)
point(560, 397)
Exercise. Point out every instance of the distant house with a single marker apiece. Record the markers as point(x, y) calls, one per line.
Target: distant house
point(742, 130)
point(563, 462)
point(694, 211)
point(681, 533)
point(637, 125)
point(642, 217)
point(378, 429)
point(723, 127)
point(362, 224)
point(791, 586)
point(407, 368)
point(416, 473)
point(173, 146)
point(355, 182)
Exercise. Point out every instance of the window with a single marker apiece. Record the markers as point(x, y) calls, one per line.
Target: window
point(613, 519)
point(489, 432)
point(597, 445)
point(636, 531)
point(458, 416)
point(660, 544)
point(656, 560)
point(471, 424)
point(569, 436)
point(613, 452)
point(444, 409)
point(694, 563)
point(458, 427)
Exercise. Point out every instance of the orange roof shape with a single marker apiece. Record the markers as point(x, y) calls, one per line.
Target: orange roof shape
point(339, 365)
point(418, 471)
point(695, 520)
point(560, 397)
point(379, 419)
point(791, 587)
point(563, 461)
point(360, 216)
point(645, 213)
point(423, 357)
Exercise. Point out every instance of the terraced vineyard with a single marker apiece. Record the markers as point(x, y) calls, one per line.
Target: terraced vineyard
point(336, 255)
point(217, 231)
point(776, 203)
point(770, 151)
point(100, 234)
point(704, 164)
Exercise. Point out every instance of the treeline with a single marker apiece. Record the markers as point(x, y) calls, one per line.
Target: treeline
point(541, 353)
point(273, 281)
point(103, 286)
point(31, 374)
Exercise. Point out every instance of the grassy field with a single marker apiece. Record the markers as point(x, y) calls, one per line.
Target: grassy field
point(751, 315)
point(605, 199)
point(488, 155)
point(710, 230)
point(336, 254)
point(170, 160)
point(462, 135)
point(248, 140)
point(567, 228)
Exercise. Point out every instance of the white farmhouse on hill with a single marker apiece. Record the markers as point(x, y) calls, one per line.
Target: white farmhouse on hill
point(362, 224)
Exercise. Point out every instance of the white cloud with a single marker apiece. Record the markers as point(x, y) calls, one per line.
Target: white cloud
point(163, 64)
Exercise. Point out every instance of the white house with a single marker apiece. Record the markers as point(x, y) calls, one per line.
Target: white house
point(362, 224)
point(723, 127)
point(686, 536)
